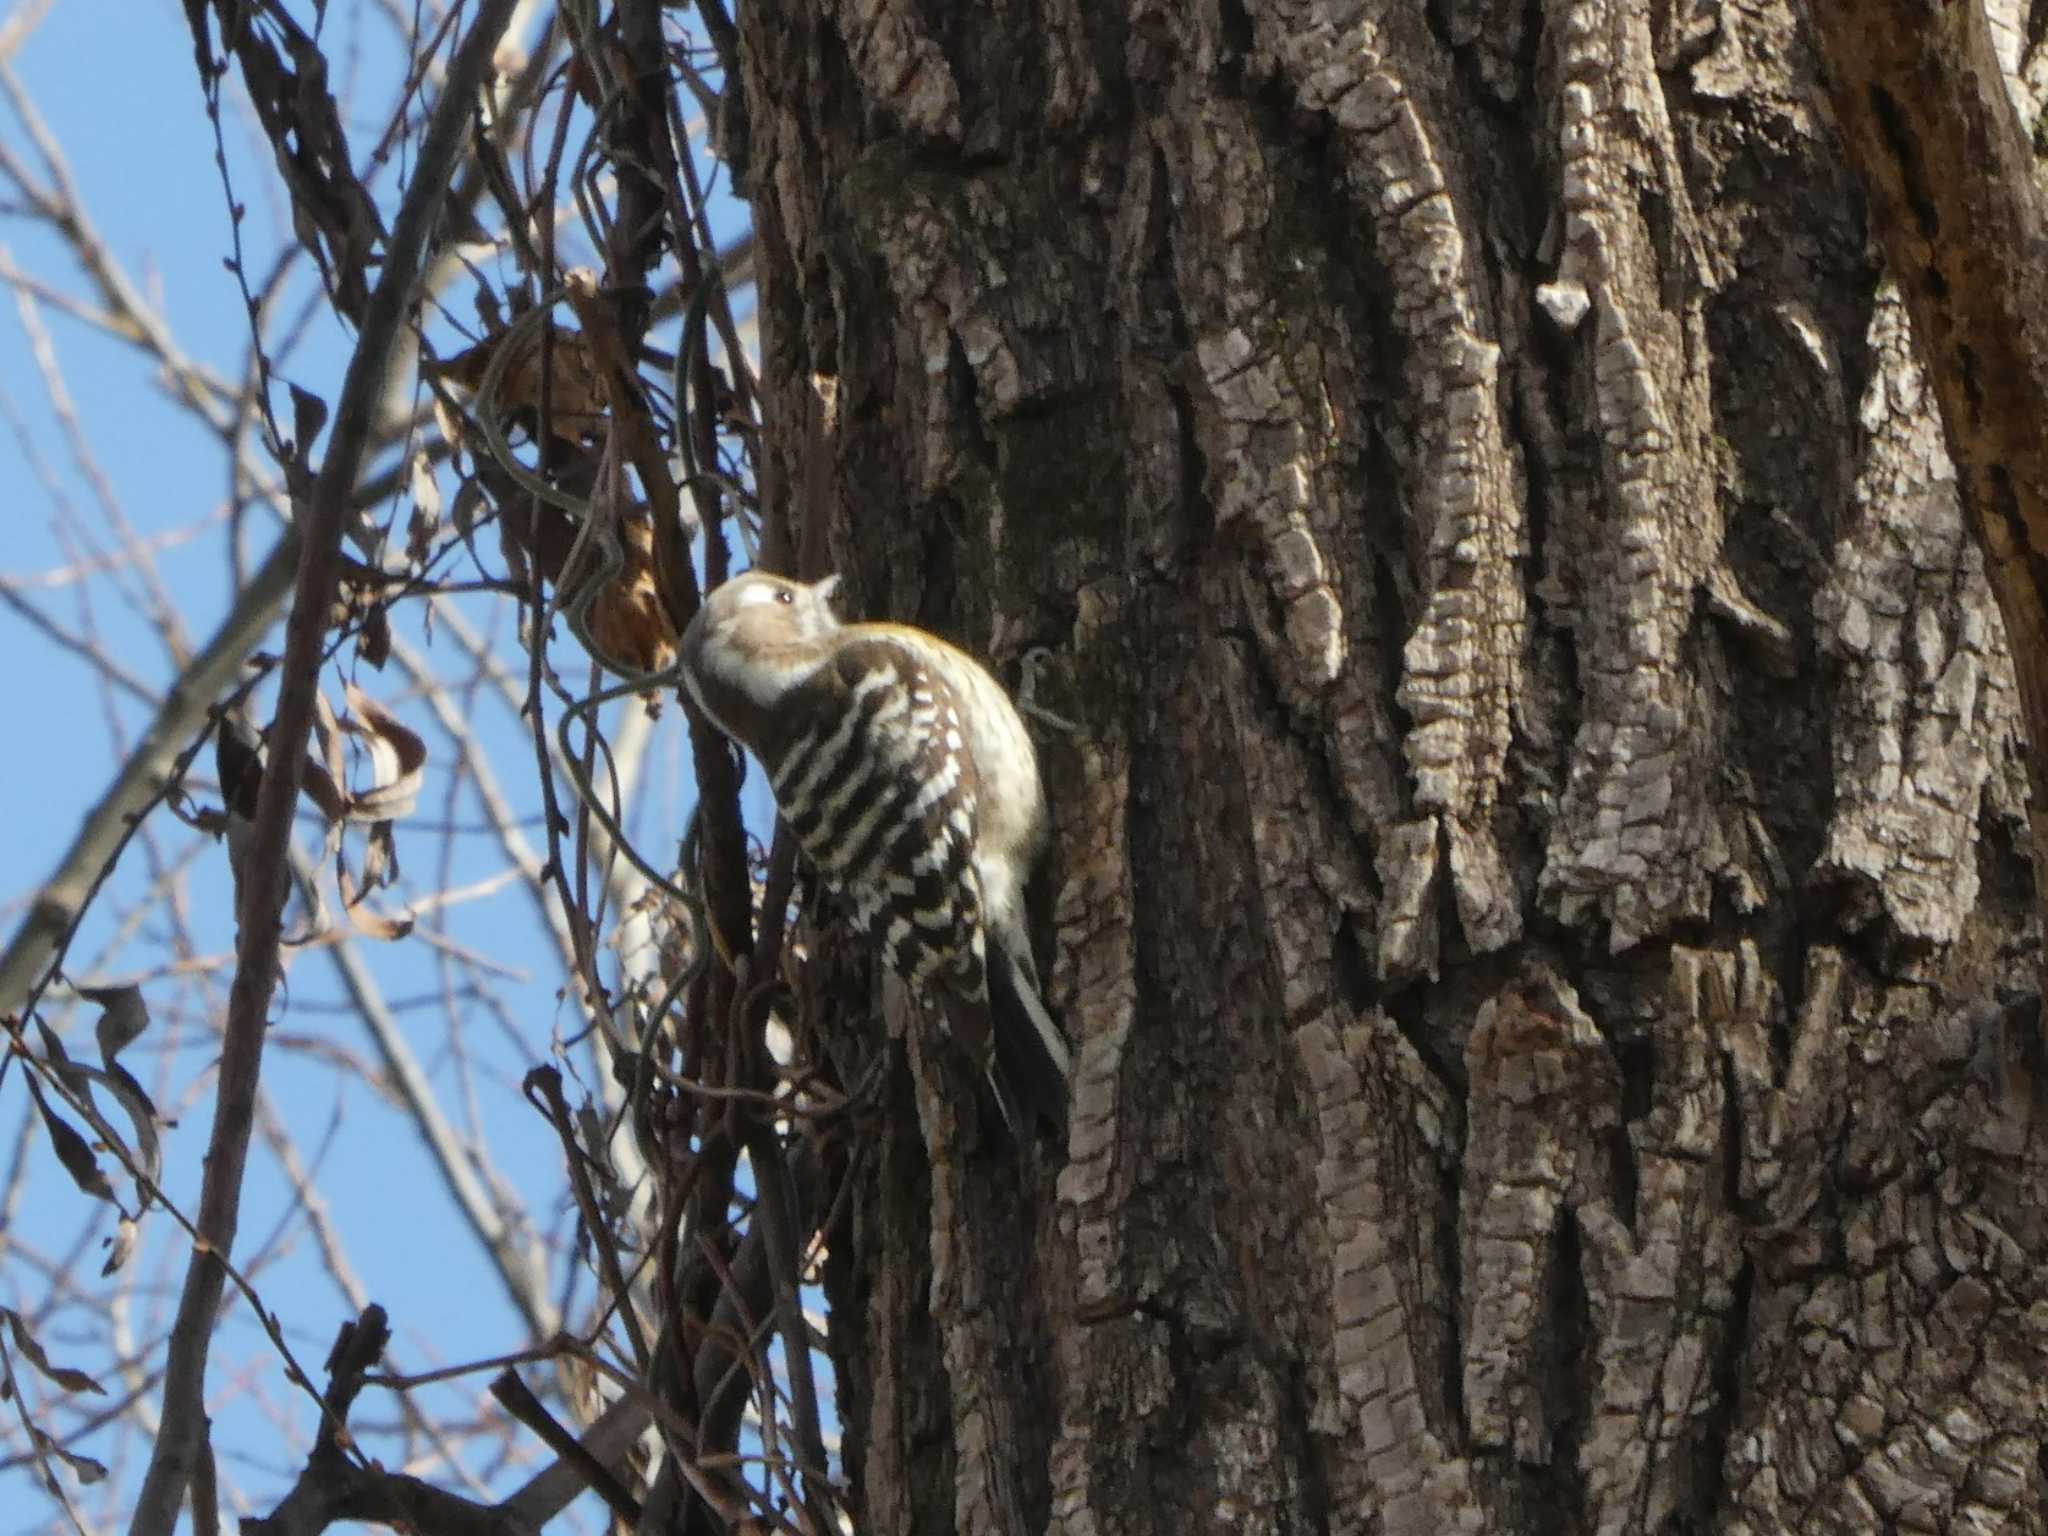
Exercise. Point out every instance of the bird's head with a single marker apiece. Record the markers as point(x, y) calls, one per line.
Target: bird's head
point(761, 634)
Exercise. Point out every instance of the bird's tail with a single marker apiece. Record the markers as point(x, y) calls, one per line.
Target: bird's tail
point(1030, 1065)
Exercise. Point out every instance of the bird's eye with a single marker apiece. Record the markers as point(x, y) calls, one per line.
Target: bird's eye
point(784, 596)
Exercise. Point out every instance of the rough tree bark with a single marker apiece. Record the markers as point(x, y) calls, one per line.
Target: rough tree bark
point(1543, 836)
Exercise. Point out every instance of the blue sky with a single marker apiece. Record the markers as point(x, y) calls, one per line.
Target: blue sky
point(124, 103)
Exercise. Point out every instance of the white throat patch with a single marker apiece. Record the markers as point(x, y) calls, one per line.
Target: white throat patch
point(762, 678)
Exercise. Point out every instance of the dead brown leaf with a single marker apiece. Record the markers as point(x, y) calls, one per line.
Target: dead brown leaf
point(448, 422)
point(364, 918)
point(425, 521)
point(121, 1246)
point(142, 1154)
point(398, 759)
point(70, 1379)
point(123, 1016)
point(73, 1151)
point(84, 1468)
point(628, 621)
point(575, 395)
point(534, 535)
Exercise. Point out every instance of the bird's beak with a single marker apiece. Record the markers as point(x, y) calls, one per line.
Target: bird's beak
point(826, 587)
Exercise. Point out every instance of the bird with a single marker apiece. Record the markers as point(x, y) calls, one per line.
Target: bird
point(909, 780)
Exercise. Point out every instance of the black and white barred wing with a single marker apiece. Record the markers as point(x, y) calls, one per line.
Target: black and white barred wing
point(882, 795)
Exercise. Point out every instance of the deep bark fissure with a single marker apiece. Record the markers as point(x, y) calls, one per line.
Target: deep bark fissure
point(1570, 1317)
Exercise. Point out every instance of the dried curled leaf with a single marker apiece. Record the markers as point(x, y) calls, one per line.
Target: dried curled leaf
point(362, 602)
point(373, 639)
point(70, 1379)
point(238, 764)
point(309, 415)
point(535, 536)
point(60, 1063)
point(320, 787)
point(73, 1151)
point(84, 1468)
point(123, 1016)
point(575, 395)
point(333, 768)
point(144, 1154)
point(448, 422)
point(398, 758)
point(335, 218)
point(469, 499)
point(239, 761)
point(627, 621)
point(364, 918)
point(121, 1246)
point(425, 521)
point(380, 867)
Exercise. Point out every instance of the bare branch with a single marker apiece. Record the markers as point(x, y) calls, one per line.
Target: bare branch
point(154, 767)
point(262, 891)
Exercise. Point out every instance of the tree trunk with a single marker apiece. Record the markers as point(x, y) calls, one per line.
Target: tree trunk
point(1541, 871)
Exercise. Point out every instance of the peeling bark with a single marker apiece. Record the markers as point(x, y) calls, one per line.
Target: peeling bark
point(1542, 830)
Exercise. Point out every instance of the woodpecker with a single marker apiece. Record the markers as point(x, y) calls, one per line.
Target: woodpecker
point(907, 776)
